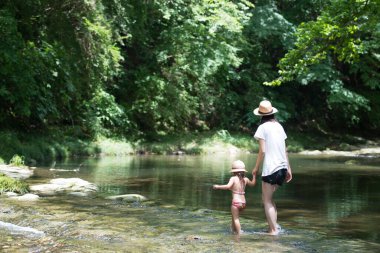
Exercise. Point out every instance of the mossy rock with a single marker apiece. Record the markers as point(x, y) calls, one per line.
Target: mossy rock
point(8, 184)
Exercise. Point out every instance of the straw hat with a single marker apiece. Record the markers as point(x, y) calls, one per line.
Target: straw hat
point(265, 108)
point(238, 166)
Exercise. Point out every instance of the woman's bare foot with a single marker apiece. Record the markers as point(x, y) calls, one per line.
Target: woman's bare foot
point(276, 232)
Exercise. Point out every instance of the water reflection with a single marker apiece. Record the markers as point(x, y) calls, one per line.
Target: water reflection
point(330, 206)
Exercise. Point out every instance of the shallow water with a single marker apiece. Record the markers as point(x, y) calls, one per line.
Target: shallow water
point(330, 206)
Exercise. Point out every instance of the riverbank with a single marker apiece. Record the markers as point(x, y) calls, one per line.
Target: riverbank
point(40, 147)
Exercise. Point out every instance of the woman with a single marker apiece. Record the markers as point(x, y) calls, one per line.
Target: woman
point(273, 155)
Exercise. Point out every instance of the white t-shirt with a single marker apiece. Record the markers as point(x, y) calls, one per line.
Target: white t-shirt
point(275, 152)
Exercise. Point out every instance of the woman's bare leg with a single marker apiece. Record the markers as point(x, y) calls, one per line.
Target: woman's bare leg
point(270, 207)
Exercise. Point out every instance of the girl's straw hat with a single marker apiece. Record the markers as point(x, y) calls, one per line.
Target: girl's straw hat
point(265, 108)
point(238, 166)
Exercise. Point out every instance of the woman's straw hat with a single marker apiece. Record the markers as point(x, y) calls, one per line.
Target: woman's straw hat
point(238, 166)
point(265, 108)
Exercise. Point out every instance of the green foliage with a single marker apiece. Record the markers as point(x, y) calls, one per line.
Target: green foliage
point(114, 147)
point(146, 69)
point(337, 52)
point(340, 31)
point(298, 11)
point(245, 142)
point(47, 78)
point(105, 116)
point(17, 160)
point(42, 147)
point(8, 184)
point(204, 143)
point(268, 35)
point(182, 47)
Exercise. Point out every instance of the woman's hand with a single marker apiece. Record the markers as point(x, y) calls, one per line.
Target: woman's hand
point(289, 176)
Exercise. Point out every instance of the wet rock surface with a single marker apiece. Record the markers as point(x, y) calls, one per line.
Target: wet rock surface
point(65, 185)
point(16, 172)
point(16, 229)
point(26, 197)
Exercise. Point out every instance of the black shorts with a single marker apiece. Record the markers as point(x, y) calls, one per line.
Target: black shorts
point(276, 178)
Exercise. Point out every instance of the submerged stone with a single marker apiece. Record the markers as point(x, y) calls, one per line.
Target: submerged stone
point(19, 229)
point(11, 194)
point(128, 197)
point(193, 238)
point(79, 194)
point(26, 197)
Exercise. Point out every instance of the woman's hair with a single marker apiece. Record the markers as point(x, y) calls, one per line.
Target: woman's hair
point(267, 118)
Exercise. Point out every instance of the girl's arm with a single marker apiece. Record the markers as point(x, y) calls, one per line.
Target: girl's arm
point(249, 182)
point(225, 186)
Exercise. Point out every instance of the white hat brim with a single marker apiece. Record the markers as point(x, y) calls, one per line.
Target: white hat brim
point(238, 170)
point(257, 113)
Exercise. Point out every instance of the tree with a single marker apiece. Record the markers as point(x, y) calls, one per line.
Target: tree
point(174, 59)
point(338, 51)
point(56, 58)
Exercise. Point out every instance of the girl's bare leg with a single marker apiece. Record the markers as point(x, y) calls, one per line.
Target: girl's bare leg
point(270, 207)
point(235, 220)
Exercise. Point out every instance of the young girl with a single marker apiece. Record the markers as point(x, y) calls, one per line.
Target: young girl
point(237, 185)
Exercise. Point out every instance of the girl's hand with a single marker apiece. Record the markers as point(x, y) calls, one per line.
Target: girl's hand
point(254, 180)
point(214, 187)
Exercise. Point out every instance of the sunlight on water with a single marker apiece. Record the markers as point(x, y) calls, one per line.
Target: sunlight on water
point(328, 207)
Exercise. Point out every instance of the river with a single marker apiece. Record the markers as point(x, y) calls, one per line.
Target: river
point(331, 205)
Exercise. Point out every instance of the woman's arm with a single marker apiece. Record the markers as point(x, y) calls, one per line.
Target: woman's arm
point(289, 175)
point(260, 158)
point(225, 186)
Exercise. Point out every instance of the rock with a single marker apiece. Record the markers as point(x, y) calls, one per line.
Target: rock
point(351, 162)
point(46, 189)
point(373, 152)
point(79, 194)
point(19, 229)
point(62, 185)
point(310, 152)
point(369, 151)
point(16, 172)
point(179, 152)
point(27, 197)
point(128, 197)
point(11, 194)
point(193, 238)
point(338, 153)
